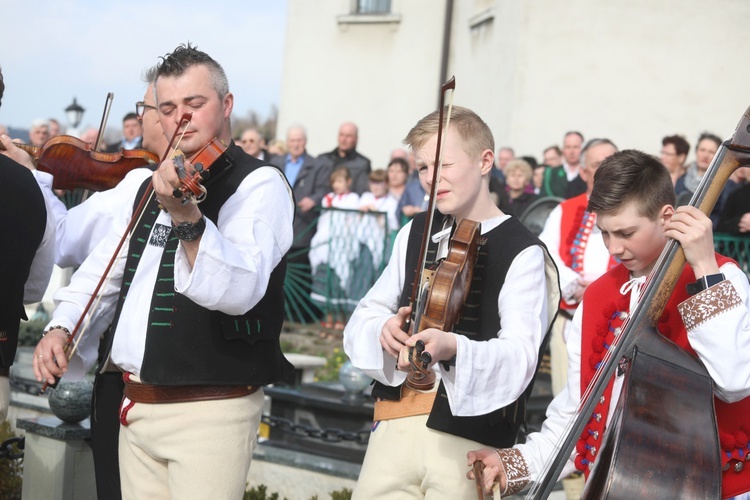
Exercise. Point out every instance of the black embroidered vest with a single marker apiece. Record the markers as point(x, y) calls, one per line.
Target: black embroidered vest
point(22, 226)
point(479, 321)
point(187, 344)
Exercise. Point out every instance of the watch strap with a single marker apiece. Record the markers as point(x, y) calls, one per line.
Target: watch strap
point(704, 283)
point(189, 231)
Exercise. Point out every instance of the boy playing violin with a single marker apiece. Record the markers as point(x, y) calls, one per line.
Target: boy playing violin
point(486, 365)
point(634, 201)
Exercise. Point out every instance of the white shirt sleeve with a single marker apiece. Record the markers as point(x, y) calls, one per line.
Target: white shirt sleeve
point(550, 235)
point(721, 338)
point(235, 259)
point(44, 259)
point(542, 446)
point(362, 332)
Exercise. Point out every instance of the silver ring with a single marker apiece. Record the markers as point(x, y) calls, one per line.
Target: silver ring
point(40, 356)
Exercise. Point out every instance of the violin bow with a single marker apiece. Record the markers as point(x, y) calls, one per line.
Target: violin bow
point(419, 377)
point(105, 118)
point(417, 291)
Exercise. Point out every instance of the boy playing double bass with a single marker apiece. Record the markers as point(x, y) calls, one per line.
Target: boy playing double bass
point(634, 201)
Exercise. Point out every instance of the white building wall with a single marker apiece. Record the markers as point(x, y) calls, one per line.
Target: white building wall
point(383, 76)
point(630, 70)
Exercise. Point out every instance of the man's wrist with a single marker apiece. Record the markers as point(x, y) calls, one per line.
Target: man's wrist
point(57, 327)
point(704, 283)
point(189, 230)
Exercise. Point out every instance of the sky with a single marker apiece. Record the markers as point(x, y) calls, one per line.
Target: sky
point(54, 50)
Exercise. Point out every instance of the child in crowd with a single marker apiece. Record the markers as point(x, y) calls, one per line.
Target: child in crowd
point(518, 181)
point(634, 201)
point(332, 248)
point(398, 176)
point(379, 199)
point(514, 279)
point(375, 232)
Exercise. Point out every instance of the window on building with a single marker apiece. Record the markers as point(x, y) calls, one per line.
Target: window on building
point(373, 6)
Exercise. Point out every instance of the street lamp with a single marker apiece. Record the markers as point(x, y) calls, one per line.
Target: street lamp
point(74, 113)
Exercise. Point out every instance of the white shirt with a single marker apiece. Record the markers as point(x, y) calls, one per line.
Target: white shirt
point(82, 227)
point(722, 344)
point(596, 258)
point(387, 204)
point(41, 267)
point(488, 375)
point(230, 273)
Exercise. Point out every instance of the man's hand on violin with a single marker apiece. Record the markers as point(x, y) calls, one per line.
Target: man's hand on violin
point(441, 346)
point(166, 181)
point(16, 154)
point(50, 360)
point(392, 337)
point(493, 471)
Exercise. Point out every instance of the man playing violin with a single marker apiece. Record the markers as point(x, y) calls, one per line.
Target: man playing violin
point(485, 368)
point(196, 305)
point(634, 200)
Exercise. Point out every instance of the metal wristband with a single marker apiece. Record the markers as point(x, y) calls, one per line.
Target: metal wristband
point(189, 231)
point(57, 327)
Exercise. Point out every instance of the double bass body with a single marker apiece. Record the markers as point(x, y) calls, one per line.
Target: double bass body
point(663, 431)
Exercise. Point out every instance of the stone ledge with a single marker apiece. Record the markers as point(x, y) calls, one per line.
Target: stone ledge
point(53, 427)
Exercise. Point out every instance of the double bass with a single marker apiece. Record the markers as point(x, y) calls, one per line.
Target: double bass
point(662, 440)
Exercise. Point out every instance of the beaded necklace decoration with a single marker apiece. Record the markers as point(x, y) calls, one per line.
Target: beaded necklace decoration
point(581, 240)
point(610, 327)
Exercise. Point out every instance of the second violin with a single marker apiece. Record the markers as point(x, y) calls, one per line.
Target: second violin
point(74, 164)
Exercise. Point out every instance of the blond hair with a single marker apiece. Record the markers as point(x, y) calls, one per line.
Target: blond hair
point(522, 165)
point(475, 136)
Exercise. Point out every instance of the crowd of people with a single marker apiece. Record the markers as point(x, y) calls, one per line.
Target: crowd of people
point(188, 324)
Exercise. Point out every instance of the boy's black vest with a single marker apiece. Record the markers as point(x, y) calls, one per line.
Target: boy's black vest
point(479, 321)
point(187, 344)
point(22, 226)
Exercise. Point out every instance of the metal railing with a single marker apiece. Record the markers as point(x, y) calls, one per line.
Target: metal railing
point(346, 255)
point(735, 247)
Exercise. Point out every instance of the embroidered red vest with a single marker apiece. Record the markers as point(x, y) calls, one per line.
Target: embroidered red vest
point(603, 314)
point(574, 236)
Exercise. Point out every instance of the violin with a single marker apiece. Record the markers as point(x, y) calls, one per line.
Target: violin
point(74, 164)
point(439, 295)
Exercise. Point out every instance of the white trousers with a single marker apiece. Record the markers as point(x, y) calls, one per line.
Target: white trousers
point(194, 450)
point(407, 460)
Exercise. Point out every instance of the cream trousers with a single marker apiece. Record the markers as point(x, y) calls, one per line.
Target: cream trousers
point(195, 450)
